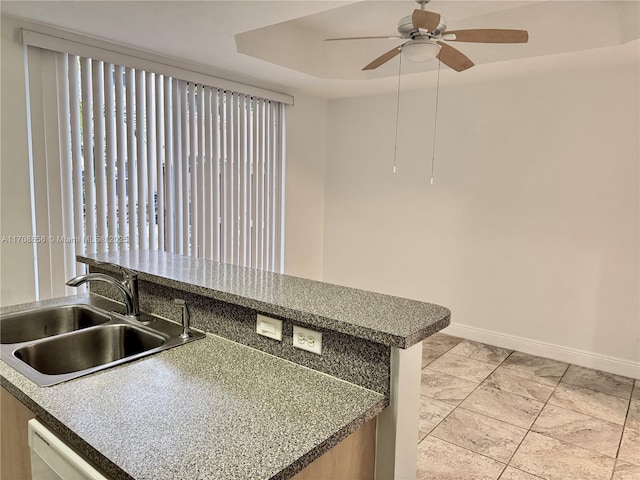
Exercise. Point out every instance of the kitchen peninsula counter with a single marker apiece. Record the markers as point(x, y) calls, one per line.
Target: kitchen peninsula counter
point(385, 319)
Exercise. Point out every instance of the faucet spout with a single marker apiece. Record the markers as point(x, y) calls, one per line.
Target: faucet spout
point(130, 298)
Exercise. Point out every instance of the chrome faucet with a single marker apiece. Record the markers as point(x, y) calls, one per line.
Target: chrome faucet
point(128, 286)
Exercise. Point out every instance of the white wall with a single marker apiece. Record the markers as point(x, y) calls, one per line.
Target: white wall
point(306, 152)
point(530, 233)
point(16, 259)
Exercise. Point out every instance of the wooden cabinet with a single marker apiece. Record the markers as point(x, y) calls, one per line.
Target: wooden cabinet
point(351, 459)
point(15, 462)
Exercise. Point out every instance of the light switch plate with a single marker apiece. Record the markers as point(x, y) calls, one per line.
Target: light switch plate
point(269, 327)
point(306, 339)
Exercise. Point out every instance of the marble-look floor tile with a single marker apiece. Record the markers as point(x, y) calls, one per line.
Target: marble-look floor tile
point(521, 383)
point(440, 342)
point(462, 367)
point(633, 417)
point(589, 402)
point(511, 473)
point(552, 459)
point(432, 412)
point(538, 366)
point(429, 355)
point(441, 460)
point(578, 429)
point(630, 446)
point(480, 434)
point(635, 395)
point(480, 351)
point(510, 408)
point(445, 387)
point(626, 471)
point(598, 381)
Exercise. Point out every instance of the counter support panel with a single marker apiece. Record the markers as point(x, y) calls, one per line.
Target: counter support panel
point(397, 430)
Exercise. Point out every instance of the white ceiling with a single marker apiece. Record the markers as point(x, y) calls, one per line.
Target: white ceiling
point(283, 49)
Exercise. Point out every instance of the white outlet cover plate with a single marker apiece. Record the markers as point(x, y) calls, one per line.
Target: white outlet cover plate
point(306, 339)
point(269, 327)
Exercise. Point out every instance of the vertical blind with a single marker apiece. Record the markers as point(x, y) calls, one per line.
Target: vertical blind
point(128, 159)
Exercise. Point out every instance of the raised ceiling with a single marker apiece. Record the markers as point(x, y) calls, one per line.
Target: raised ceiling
point(555, 27)
point(279, 44)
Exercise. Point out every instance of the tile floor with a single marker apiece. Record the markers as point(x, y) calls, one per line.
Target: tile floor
point(490, 413)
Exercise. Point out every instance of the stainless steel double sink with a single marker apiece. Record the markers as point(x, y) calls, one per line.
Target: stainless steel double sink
point(54, 344)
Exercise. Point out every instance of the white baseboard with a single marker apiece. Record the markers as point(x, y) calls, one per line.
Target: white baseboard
point(614, 365)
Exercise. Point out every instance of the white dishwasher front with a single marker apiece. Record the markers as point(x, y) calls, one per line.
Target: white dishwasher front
point(52, 459)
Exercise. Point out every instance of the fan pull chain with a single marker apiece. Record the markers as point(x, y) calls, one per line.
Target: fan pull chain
point(435, 123)
point(395, 146)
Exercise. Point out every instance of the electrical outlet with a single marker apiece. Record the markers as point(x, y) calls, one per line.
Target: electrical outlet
point(269, 327)
point(306, 339)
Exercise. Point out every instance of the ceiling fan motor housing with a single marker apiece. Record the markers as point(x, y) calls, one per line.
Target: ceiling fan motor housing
point(407, 30)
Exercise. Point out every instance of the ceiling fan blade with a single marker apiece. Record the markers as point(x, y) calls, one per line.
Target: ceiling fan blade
point(453, 58)
point(391, 37)
point(490, 35)
point(426, 20)
point(384, 58)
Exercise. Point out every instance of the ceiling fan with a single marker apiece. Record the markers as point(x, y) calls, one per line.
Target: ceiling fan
point(426, 33)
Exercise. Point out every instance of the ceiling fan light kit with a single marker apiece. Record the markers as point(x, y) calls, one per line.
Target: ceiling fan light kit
point(421, 50)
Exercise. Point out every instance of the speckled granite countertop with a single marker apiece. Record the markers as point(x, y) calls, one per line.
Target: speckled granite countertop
point(394, 321)
point(208, 409)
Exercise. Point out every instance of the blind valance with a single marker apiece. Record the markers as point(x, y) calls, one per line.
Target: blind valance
point(84, 46)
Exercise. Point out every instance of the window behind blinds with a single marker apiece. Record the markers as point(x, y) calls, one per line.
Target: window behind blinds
point(123, 158)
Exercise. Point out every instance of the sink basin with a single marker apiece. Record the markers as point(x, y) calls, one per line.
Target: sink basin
point(59, 343)
point(49, 321)
point(88, 349)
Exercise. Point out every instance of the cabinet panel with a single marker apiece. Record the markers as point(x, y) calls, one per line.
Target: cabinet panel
point(351, 459)
point(14, 444)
